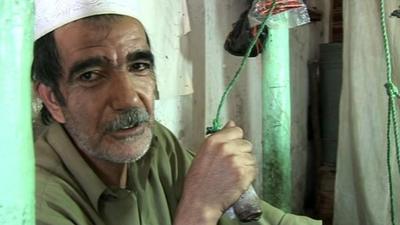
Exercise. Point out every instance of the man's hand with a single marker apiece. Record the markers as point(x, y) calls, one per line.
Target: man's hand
point(221, 171)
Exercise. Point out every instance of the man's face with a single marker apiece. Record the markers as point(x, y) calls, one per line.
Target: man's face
point(108, 84)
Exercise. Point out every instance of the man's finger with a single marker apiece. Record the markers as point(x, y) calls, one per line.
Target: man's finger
point(228, 133)
point(230, 123)
point(239, 146)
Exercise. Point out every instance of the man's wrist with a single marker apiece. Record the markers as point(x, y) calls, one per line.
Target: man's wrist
point(192, 212)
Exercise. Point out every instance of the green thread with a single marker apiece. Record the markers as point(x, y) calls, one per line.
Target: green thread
point(395, 120)
point(393, 93)
point(216, 125)
point(389, 167)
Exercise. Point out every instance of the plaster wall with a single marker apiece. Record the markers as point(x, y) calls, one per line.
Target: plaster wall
point(304, 47)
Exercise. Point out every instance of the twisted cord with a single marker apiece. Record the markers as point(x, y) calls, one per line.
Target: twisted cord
point(217, 122)
point(389, 166)
point(393, 93)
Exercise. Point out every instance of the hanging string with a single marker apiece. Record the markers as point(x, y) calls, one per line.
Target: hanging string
point(389, 167)
point(393, 94)
point(216, 125)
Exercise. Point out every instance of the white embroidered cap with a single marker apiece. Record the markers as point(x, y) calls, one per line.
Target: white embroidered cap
point(52, 14)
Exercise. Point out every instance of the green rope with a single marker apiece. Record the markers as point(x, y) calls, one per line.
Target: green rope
point(389, 166)
point(393, 93)
point(216, 126)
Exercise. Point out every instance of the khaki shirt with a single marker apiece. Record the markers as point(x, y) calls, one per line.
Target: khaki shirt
point(68, 192)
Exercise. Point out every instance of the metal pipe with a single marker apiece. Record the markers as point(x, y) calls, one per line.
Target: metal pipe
point(277, 120)
point(16, 151)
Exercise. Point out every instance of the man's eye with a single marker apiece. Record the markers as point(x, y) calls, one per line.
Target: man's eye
point(89, 76)
point(139, 67)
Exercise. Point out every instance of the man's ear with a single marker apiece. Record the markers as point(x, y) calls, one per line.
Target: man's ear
point(49, 99)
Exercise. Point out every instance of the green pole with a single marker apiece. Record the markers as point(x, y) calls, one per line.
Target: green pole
point(16, 151)
point(276, 120)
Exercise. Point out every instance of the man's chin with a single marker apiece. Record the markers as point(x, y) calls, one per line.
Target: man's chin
point(120, 156)
point(137, 156)
point(126, 150)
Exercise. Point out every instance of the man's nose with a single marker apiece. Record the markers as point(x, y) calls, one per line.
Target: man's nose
point(124, 93)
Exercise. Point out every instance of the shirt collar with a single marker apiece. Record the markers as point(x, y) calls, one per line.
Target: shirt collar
point(80, 170)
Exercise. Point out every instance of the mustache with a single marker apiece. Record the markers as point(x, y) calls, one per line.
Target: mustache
point(132, 117)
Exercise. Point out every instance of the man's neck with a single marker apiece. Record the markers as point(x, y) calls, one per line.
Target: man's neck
point(112, 174)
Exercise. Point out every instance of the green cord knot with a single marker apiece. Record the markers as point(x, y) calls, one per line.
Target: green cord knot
point(392, 90)
point(215, 128)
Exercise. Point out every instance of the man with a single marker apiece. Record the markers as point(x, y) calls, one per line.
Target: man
point(103, 158)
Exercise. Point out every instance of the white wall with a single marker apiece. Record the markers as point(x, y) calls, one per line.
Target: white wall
point(214, 67)
point(304, 47)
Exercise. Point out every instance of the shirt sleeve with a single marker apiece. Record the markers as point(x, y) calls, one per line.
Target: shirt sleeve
point(55, 203)
point(272, 216)
point(49, 216)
